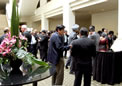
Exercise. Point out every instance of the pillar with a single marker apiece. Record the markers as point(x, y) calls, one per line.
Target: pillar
point(44, 23)
point(117, 46)
point(120, 19)
point(68, 16)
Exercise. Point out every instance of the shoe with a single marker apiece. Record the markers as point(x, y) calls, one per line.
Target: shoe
point(71, 72)
point(66, 67)
point(65, 57)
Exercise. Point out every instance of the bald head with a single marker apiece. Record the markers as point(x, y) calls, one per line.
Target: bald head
point(23, 28)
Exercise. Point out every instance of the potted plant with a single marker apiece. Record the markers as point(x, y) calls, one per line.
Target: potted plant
point(13, 47)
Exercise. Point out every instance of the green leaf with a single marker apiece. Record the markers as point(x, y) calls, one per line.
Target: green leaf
point(21, 54)
point(14, 50)
point(37, 61)
point(1, 60)
point(15, 22)
point(39, 70)
point(29, 58)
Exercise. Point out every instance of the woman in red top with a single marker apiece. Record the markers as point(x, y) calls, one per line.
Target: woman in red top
point(103, 44)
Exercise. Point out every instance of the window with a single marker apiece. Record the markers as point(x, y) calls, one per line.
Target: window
point(38, 5)
point(48, 0)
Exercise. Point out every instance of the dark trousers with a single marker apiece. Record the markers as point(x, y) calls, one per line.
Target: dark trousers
point(33, 49)
point(29, 48)
point(87, 77)
point(43, 54)
point(70, 63)
point(65, 52)
point(57, 78)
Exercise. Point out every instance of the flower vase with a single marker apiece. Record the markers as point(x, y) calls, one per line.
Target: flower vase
point(15, 74)
point(15, 64)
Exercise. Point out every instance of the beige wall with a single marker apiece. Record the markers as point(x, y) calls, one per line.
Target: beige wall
point(2, 11)
point(54, 22)
point(30, 23)
point(48, 7)
point(36, 25)
point(27, 20)
point(108, 20)
point(86, 22)
point(51, 5)
point(3, 23)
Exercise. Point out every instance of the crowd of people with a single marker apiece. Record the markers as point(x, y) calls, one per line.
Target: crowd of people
point(82, 44)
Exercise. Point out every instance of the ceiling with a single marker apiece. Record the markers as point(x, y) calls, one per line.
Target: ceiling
point(28, 7)
point(3, 3)
point(86, 12)
point(102, 7)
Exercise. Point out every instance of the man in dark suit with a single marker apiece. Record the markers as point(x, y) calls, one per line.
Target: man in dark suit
point(82, 51)
point(65, 42)
point(72, 36)
point(43, 45)
point(34, 42)
point(27, 34)
point(94, 36)
point(55, 54)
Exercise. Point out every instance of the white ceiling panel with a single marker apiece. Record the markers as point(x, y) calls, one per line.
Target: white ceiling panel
point(28, 7)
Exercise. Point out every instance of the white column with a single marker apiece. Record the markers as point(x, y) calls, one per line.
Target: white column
point(120, 19)
point(9, 12)
point(117, 46)
point(68, 16)
point(44, 23)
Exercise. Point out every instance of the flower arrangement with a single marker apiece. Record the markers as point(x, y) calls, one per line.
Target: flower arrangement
point(9, 43)
point(14, 44)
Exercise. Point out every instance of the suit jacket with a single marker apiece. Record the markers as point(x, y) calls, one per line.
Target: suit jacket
point(96, 38)
point(43, 43)
point(2, 38)
point(56, 48)
point(27, 34)
point(72, 37)
point(82, 51)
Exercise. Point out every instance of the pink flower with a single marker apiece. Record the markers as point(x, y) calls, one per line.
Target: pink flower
point(22, 37)
point(8, 50)
point(1, 49)
point(20, 43)
point(3, 44)
point(10, 45)
point(8, 42)
point(4, 53)
point(8, 35)
point(13, 40)
point(5, 41)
